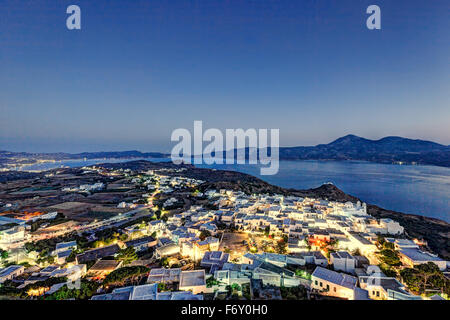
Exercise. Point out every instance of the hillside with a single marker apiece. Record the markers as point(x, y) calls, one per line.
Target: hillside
point(385, 150)
point(435, 231)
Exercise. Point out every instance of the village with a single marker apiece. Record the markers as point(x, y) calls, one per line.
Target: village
point(103, 233)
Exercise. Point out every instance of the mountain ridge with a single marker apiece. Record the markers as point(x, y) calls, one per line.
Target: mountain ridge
point(390, 149)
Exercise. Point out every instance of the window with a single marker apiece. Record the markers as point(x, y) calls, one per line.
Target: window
point(328, 287)
point(316, 282)
point(378, 293)
point(321, 284)
point(334, 288)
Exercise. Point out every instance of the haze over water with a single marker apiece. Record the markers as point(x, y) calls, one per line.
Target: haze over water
point(423, 190)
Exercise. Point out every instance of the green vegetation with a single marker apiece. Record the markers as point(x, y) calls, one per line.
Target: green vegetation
point(388, 270)
point(281, 247)
point(435, 232)
point(380, 241)
point(211, 281)
point(163, 287)
point(246, 291)
point(3, 254)
point(127, 255)
point(45, 257)
point(303, 274)
point(204, 234)
point(234, 290)
point(235, 287)
point(164, 262)
point(60, 218)
point(9, 289)
point(388, 255)
point(107, 237)
point(87, 290)
point(126, 274)
point(426, 279)
point(50, 244)
point(294, 293)
point(308, 245)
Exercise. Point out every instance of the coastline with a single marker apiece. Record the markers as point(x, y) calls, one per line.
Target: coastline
point(435, 231)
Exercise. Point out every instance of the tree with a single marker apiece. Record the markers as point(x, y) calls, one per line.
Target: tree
point(281, 247)
point(162, 287)
point(308, 245)
point(388, 245)
point(87, 290)
point(204, 234)
point(333, 244)
point(267, 231)
point(390, 257)
point(424, 277)
point(45, 258)
point(211, 281)
point(235, 288)
point(164, 262)
point(294, 293)
point(380, 240)
point(127, 255)
point(122, 275)
point(4, 254)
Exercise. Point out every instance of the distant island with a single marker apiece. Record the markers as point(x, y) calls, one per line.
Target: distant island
point(388, 150)
point(385, 150)
point(394, 150)
point(8, 158)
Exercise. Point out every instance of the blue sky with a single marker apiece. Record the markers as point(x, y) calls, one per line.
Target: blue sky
point(137, 70)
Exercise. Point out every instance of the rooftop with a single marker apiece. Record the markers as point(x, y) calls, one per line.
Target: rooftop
point(192, 278)
point(105, 265)
point(418, 255)
point(335, 277)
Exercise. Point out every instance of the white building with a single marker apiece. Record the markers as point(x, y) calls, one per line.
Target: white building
point(391, 226)
point(11, 272)
point(193, 281)
point(343, 261)
point(335, 284)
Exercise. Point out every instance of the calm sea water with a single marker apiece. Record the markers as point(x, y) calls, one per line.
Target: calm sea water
point(423, 190)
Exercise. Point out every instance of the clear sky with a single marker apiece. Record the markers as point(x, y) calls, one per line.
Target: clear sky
point(137, 70)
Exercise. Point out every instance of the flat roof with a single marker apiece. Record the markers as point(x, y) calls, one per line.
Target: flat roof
point(342, 255)
point(105, 265)
point(418, 255)
point(69, 244)
point(144, 292)
point(192, 278)
point(360, 238)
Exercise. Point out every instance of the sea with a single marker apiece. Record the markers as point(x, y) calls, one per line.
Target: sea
point(416, 189)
